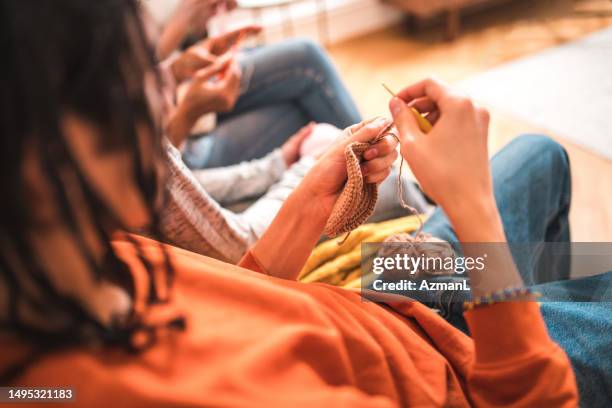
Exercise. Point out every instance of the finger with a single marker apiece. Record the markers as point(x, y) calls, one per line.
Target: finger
point(206, 73)
point(202, 53)
point(405, 120)
point(351, 130)
point(231, 73)
point(370, 130)
point(379, 164)
point(483, 116)
point(432, 88)
point(305, 131)
point(424, 104)
point(370, 154)
point(433, 116)
point(231, 4)
point(382, 148)
point(378, 178)
point(220, 64)
point(253, 29)
point(234, 68)
point(189, 66)
point(238, 34)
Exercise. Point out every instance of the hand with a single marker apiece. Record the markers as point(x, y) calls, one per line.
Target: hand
point(192, 60)
point(221, 44)
point(291, 148)
point(451, 161)
point(204, 95)
point(325, 180)
point(206, 52)
point(207, 94)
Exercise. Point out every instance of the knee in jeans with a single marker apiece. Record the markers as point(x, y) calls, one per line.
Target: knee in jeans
point(310, 48)
point(543, 149)
point(310, 52)
point(542, 146)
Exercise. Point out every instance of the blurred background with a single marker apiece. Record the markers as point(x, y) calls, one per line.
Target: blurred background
point(539, 66)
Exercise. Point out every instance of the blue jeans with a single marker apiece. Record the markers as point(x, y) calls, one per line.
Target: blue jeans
point(531, 178)
point(286, 85)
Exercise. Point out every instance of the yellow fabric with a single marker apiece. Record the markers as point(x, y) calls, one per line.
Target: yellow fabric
point(340, 264)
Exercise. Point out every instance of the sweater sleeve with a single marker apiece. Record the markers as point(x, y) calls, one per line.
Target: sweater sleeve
point(232, 184)
point(192, 220)
point(260, 214)
point(516, 363)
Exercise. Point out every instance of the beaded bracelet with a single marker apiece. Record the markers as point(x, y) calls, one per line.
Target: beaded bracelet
point(501, 295)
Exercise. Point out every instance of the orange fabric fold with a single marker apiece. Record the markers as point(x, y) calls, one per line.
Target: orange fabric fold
point(255, 340)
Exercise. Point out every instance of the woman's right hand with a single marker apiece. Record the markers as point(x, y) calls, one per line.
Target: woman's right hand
point(451, 161)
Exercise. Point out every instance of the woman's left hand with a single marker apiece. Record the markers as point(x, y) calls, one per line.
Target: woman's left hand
point(285, 246)
point(326, 179)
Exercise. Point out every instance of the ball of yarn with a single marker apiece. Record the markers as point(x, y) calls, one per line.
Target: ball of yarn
point(421, 245)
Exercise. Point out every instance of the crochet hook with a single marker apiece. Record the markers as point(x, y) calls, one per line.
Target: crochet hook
point(424, 124)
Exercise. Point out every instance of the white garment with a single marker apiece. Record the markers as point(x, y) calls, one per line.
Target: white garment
point(194, 220)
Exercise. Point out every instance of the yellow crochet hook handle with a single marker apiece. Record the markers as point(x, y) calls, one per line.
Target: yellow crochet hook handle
point(422, 121)
point(424, 124)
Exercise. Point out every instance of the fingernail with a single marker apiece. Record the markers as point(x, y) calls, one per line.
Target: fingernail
point(364, 170)
point(396, 106)
point(370, 154)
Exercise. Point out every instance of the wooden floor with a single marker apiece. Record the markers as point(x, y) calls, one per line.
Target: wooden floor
point(398, 56)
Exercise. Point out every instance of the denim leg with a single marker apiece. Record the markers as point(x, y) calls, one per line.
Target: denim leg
point(296, 71)
point(532, 186)
point(580, 321)
point(285, 86)
point(246, 136)
point(581, 324)
point(583, 329)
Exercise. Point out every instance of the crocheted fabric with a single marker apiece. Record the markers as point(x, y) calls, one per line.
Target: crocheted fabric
point(358, 198)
